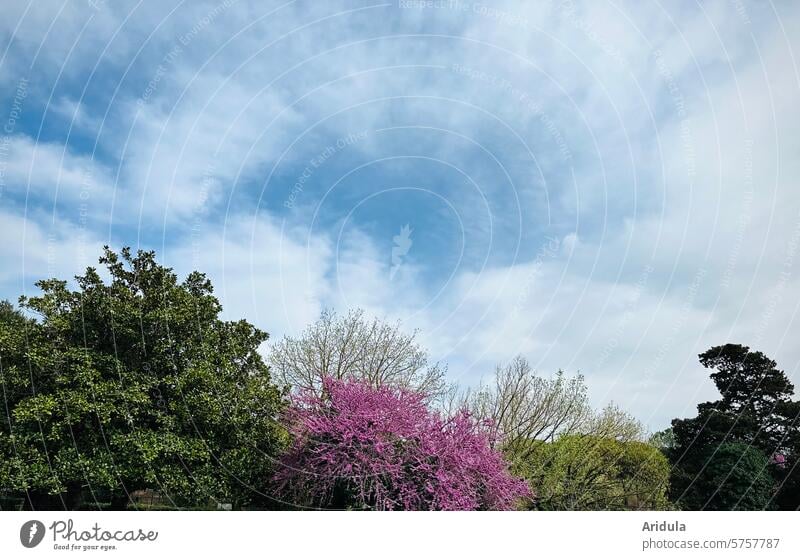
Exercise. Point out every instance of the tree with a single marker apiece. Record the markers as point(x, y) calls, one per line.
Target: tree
point(134, 384)
point(586, 472)
point(755, 410)
point(355, 348)
point(732, 476)
point(663, 440)
point(524, 407)
point(361, 447)
point(573, 456)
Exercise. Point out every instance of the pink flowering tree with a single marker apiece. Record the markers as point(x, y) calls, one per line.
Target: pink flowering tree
point(360, 447)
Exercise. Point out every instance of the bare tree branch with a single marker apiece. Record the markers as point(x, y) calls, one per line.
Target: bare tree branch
point(353, 347)
point(524, 407)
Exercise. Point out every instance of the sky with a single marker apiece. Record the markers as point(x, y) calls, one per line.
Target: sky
point(603, 187)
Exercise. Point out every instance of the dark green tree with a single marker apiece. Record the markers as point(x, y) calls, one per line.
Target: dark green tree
point(755, 410)
point(134, 383)
point(732, 476)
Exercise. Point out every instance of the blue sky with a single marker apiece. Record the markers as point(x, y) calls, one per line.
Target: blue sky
point(602, 187)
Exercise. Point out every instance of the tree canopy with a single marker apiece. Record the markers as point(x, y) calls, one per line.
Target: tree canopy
point(354, 347)
point(755, 412)
point(133, 383)
point(731, 476)
point(523, 407)
point(586, 472)
point(362, 447)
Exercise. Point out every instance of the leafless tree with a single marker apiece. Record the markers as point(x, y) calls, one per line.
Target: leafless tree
point(525, 407)
point(355, 347)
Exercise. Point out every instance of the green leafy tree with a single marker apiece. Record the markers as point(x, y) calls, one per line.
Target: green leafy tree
point(663, 440)
point(755, 410)
point(733, 476)
point(135, 383)
point(584, 472)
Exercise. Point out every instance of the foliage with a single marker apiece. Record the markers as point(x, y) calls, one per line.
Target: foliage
point(755, 410)
point(733, 476)
point(525, 407)
point(355, 348)
point(663, 440)
point(361, 447)
point(133, 384)
point(587, 472)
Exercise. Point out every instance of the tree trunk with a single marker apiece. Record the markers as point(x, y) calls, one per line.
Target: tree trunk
point(41, 501)
point(73, 497)
point(119, 502)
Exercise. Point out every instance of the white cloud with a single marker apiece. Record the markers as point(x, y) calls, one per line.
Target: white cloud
point(54, 173)
point(265, 270)
point(42, 246)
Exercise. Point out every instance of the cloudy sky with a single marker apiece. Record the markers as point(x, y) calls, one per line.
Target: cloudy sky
point(603, 187)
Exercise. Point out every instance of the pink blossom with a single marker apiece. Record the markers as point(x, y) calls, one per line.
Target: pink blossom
point(366, 448)
point(778, 459)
